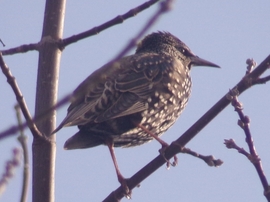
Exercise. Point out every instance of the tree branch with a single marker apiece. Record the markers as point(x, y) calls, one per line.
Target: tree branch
point(93, 31)
point(244, 123)
point(23, 140)
point(19, 97)
point(21, 49)
point(177, 145)
point(117, 20)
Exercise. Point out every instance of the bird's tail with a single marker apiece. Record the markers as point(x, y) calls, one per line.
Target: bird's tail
point(82, 140)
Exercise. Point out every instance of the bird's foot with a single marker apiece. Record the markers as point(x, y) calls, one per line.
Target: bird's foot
point(126, 190)
point(163, 148)
point(162, 152)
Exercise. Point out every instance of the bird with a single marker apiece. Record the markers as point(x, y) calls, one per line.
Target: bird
point(133, 100)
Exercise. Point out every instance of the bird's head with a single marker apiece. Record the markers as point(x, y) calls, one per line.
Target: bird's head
point(166, 43)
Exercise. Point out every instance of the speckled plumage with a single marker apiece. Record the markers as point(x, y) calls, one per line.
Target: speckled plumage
point(150, 88)
point(135, 99)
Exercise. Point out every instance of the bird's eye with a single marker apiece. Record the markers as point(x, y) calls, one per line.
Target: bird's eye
point(182, 50)
point(185, 51)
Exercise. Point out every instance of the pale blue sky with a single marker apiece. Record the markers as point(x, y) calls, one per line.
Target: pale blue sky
point(223, 32)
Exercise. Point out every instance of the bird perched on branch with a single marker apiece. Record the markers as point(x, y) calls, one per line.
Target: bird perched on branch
point(130, 101)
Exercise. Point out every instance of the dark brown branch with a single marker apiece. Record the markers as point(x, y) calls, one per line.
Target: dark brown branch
point(164, 7)
point(19, 97)
point(209, 160)
point(14, 129)
point(21, 49)
point(244, 123)
point(63, 43)
point(230, 144)
point(2, 42)
point(177, 145)
point(117, 20)
point(262, 80)
point(23, 140)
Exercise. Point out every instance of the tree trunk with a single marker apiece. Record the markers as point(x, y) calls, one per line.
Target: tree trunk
point(44, 151)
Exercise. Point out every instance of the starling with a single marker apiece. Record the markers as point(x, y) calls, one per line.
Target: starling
point(132, 100)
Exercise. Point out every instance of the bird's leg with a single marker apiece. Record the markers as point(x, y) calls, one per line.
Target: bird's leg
point(120, 177)
point(163, 144)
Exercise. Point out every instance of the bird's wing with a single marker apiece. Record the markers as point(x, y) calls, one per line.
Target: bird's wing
point(122, 97)
point(127, 103)
point(77, 111)
point(135, 86)
point(115, 90)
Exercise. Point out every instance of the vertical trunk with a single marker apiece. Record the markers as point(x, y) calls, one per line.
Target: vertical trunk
point(46, 96)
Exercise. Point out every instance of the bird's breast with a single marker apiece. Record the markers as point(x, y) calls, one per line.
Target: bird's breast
point(167, 100)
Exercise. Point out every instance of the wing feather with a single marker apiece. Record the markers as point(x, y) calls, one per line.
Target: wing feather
point(115, 90)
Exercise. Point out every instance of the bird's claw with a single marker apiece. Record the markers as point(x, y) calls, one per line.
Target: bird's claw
point(126, 190)
point(168, 164)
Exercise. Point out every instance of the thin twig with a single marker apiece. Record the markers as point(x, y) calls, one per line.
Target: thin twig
point(117, 20)
point(263, 80)
point(230, 144)
point(93, 31)
point(15, 128)
point(21, 49)
point(251, 64)
point(252, 155)
point(2, 42)
point(23, 141)
point(209, 160)
point(19, 97)
point(164, 7)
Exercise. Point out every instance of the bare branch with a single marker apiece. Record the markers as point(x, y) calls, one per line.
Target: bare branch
point(23, 140)
point(263, 80)
point(2, 42)
point(19, 97)
point(244, 123)
point(230, 144)
point(209, 160)
point(164, 7)
point(21, 49)
point(117, 20)
point(251, 64)
point(14, 129)
point(93, 31)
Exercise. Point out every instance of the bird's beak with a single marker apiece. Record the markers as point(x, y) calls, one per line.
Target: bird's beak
point(196, 61)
